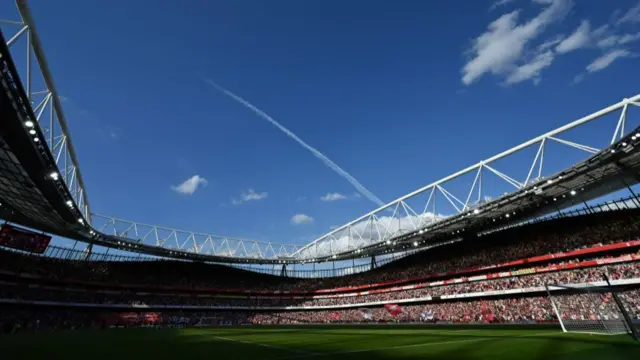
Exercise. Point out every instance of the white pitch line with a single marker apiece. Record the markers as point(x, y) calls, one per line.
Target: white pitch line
point(305, 353)
point(406, 346)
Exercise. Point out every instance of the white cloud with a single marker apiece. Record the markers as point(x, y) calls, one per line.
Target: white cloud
point(550, 43)
point(250, 195)
point(501, 47)
point(579, 39)
point(189, 186)
point(333, 197)
point(500, 3)
point(577, 79)
point(300, 219)
point(607, 59)
point(532, 69)
point(627, 38)
point(328, 162)
point(632, 16)
point(365, 233)
point(609, 41)
point(614, 40)
point(357, 195)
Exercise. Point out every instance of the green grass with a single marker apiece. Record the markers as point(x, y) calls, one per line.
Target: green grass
point(320, 343)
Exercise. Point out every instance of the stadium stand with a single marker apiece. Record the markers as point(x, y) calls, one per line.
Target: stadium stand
point(500, 277)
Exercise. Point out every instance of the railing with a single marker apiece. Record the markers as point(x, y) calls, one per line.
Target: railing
point(613, 205)
point(67, 253)
point(46, 101)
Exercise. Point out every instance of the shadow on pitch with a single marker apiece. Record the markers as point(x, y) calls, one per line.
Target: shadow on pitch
point(424, 337)
point(337, 345)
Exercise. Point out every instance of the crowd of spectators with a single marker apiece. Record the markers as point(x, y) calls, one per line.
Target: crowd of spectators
point(523, 309)
point(532, 240)
point(65, 281)
point(581, 307)
point(531, 283)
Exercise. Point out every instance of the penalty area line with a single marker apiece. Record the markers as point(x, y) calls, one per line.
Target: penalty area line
point(301, 352)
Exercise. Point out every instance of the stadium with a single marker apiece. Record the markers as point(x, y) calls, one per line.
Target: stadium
point(543, 263)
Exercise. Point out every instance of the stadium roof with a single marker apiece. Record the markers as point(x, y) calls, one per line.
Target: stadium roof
point(41, 186)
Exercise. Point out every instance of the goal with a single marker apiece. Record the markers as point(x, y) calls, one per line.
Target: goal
point(591, 308)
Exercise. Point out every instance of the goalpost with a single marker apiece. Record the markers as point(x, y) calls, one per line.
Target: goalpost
point(590, 308)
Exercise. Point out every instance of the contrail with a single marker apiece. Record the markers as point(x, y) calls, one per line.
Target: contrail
point(333, 166)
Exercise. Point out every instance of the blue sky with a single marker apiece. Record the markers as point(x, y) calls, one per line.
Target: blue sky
point(398, 94)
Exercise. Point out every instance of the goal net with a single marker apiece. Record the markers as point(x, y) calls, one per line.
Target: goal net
point(589, 308)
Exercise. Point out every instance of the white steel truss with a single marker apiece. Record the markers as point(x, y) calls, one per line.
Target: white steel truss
point(416, 211)
point(198, 243)
point(398, 217)
point(24, 43)
point(386, 223)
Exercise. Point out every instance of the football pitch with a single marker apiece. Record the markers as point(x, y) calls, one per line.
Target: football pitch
point(319, 342)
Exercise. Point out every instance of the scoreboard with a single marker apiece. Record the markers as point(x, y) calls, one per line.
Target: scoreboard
point(21, 239)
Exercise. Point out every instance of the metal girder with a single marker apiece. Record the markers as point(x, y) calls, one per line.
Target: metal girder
point(378, 227)
point(409, 214)
point(46, 102)
point(203, 244)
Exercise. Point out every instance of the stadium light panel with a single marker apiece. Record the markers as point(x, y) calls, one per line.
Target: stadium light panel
point(81, 221)
point(28, 123)
point(54, 175)
point(573, 192)
point(69, 203)
point(613, 151)
point(32, 132)
point(36, 140)
point(415, 243)
point(624, 144)
point(507, 216)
